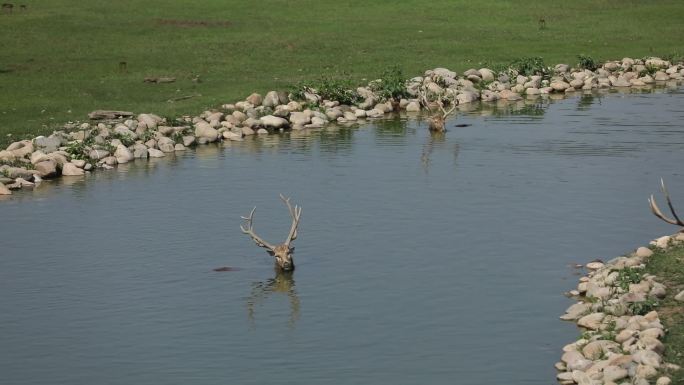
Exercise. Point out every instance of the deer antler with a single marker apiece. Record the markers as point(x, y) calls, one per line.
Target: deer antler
point(296, 213)
point(249, 230)
point(452, 102)
point(656, 210)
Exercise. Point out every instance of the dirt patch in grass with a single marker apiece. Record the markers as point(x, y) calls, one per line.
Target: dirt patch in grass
point(194, 23)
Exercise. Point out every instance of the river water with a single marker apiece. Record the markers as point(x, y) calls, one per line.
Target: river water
point(420, 259)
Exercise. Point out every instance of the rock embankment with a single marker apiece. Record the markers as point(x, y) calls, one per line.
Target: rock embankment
point(616, 310)
point(115, 137)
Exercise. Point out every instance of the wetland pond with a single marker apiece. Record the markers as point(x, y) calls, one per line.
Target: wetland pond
point(420, 259)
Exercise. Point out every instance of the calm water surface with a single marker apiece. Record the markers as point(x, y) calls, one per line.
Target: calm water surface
point(420, 259)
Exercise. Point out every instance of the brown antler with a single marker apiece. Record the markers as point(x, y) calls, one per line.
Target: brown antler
point(436, 122)
point(656, 210)
point(249, 230)
point(296, 213)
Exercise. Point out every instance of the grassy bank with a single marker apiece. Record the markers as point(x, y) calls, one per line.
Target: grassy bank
point(60, 59)
point(668, 266)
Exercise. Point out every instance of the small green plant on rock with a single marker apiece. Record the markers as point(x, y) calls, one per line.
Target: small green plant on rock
point(391, 85)
point(340, 89)
point(529, 66)
point(78, 149)
point(587, 62)
point(643, 307)
point(627, 276)
point(125, 139)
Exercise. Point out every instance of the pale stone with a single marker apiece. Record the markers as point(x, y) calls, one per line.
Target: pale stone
point(247, 131)
point(273, 121)
point(70, 169)
point(650, 343)
point(624, 335)
point(204, 130)
point(239, 116)
point(643, 252)
point(38, 156)
point(21, 149)
point(374, 113)
point(413, 107)
point(661, 76)
point(559, 85)
point(595, 349)
point(149, 120)
point(362, 113)
point(680, 296)
point(166, 144)
point(46, 168)
point(188, 140)
point(565, 376)
point(121, 129)
point(98, 154)
point(594, 265)
point(591, 321)
point(658, 290)
point(262, 131)
point(614, 373)
point(123, 154)
point(154, 153)
point(78, 163)
point(487, 74)
point(663, 381)
point(349, 116)
point(179, 147)
point(662, 242)
point(49, 144)
point(6, 156)
point(4, 190)
point(254, 99)
point(647, 357)
point(575, 311)
point(299, 118)
point(645, 371)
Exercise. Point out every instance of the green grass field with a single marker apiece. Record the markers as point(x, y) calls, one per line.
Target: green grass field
point(59, 59)
point(669, 267)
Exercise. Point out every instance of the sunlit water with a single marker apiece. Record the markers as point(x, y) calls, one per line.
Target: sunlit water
point(420, 259)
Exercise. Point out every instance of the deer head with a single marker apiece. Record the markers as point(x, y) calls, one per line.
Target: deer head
point(656, 210)
point(439, 114)
point(282, 252)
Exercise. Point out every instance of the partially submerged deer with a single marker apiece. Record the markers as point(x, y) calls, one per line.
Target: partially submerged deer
point(656, 210)
point(437, 120)
point(282, 252)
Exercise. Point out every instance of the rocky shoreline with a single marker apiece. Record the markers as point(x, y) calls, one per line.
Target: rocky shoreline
point(616, 310)
point(115, 137)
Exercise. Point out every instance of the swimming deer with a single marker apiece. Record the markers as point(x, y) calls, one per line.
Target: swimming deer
point(656, 210)
point(438, 118)
point(282, 252)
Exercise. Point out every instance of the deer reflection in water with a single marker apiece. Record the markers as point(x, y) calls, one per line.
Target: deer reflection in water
point(435, 139)
point(282, 283)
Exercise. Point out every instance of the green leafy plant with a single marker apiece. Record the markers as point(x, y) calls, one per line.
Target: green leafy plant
point(643, 307)
point(587, 62)
point(340, 89)
point(391, 85)
point(125, 139)
point(78, 149)
point(627, 276)
point(530, 66)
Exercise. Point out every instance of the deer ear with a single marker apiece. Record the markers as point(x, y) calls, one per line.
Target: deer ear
point(270, 252)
